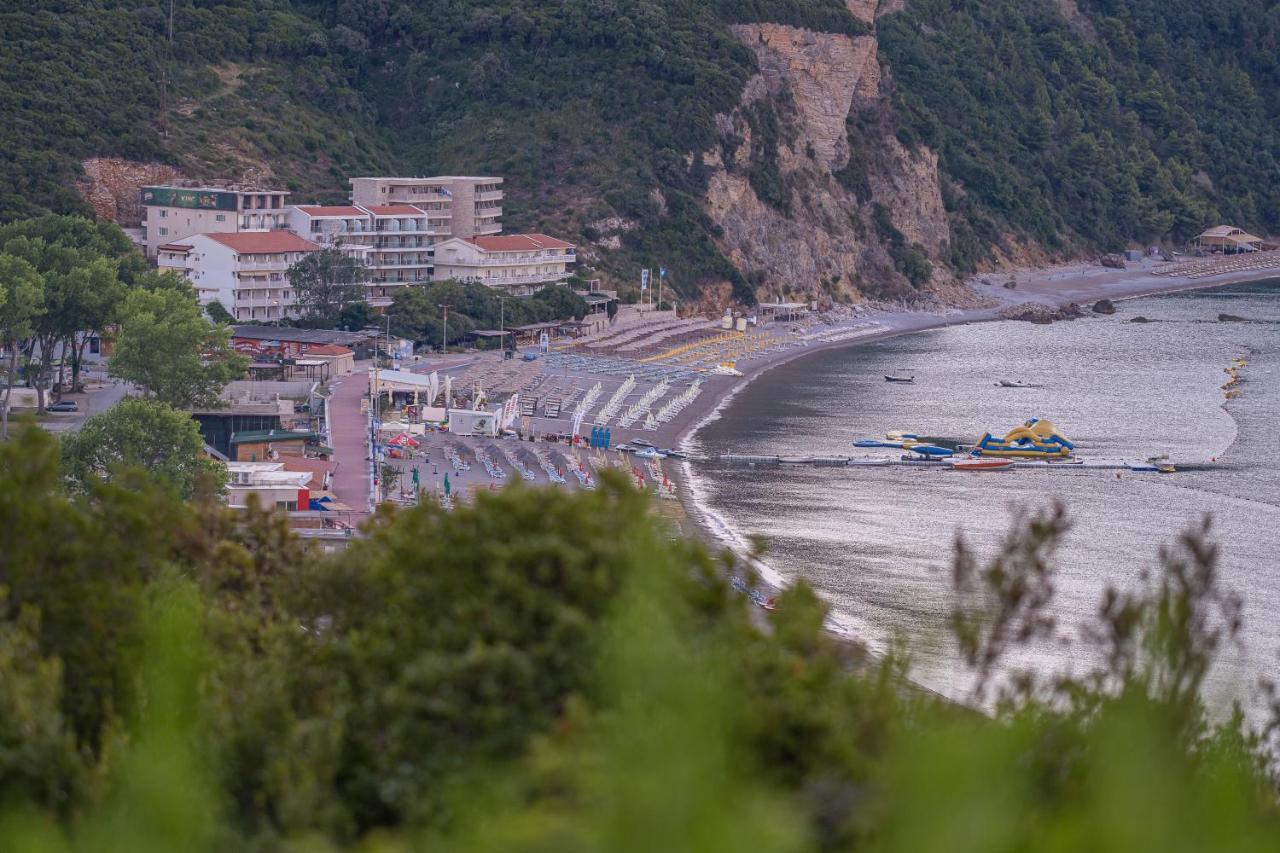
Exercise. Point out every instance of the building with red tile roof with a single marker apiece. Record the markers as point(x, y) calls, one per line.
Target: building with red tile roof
point(518, 263)
point(247, 273)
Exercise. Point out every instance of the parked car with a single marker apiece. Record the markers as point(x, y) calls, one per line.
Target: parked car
point(63, 406)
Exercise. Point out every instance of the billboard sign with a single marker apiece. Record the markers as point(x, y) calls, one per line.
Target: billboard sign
point(192, 199)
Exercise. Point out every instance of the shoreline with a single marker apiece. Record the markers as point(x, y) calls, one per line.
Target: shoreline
point(1055, 287)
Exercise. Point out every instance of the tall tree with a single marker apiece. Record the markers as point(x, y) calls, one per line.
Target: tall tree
point(144, 434)
point(21, 290)
point(327, 281)
point(168, 349)
point(81, 263)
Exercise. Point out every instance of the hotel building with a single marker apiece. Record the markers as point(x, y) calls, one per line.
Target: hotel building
point(393, 240)
point(247, 273)
point(519, 263)
point(458, 206)
point(173, 213)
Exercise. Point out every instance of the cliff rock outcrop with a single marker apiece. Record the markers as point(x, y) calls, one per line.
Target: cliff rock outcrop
point(110, 185)
point(818, 234)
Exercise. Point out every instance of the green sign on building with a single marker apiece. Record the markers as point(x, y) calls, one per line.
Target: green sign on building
point(193, 199)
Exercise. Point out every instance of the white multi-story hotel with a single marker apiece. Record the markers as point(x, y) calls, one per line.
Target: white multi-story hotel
point(458, 206)
point(247, 273)
point(173, 213)
point(519, 263)
point(394, 241)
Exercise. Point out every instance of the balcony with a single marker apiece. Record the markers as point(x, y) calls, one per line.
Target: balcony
point(262, 266)
point(489, 195)
point(530, 278)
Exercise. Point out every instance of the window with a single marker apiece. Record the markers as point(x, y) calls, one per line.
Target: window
point(164, 214)
point(164, 232)
point(220, 218)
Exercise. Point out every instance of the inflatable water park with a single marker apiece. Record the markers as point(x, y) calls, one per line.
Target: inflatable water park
point(1035, 439)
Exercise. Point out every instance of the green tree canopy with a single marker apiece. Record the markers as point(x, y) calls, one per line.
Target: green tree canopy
point(21, 301)
point(415, 311)
point(170, 351)
point(325, 282)
point(145, 434)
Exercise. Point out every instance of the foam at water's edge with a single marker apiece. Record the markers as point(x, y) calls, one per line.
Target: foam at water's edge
point(838, 622)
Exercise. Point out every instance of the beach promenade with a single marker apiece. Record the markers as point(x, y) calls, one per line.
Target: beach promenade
point(348, 427)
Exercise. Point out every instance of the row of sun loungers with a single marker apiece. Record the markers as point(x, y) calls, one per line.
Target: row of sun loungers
point(1220, 265)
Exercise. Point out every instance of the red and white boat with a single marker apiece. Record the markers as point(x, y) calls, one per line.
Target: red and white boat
point(979, 464)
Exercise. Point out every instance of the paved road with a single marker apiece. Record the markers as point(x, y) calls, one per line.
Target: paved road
point(93, 403)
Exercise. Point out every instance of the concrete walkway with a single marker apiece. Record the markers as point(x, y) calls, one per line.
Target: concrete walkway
point(348, 430)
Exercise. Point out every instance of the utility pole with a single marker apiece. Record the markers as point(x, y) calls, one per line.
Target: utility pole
point(164, 74)
point(389, 359)
point(444, 334)
point(502, 322)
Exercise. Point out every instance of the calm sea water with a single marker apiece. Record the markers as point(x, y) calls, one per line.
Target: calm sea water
point(877, 544)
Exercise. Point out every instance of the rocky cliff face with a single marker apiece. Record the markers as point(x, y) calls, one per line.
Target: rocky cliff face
point(824, 237)
point(110, 185)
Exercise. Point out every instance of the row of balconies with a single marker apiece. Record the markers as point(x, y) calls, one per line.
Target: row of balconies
point(527, 278)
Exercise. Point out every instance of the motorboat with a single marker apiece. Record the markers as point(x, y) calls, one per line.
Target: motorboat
point(869, 461)
point(1143, 467)
point(899, 377)
point(641, 442)
point(1009, 383)
point(898, 435)
point(982, 464)
point(795, 460)
point(675, 454)
point(650, 453)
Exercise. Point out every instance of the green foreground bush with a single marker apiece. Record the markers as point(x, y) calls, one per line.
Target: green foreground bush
point(548, 670)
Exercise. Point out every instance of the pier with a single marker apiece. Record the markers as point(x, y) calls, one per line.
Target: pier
point(944, 464)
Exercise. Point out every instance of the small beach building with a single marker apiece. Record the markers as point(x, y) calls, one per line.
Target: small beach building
point(1228, 240)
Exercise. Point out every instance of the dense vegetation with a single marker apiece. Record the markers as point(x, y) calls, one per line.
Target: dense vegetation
point(547, 670)
point(1132, 120)
point(1140, 119)
point(416, 312)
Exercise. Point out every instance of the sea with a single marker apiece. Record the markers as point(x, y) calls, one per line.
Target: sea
point(877, 543)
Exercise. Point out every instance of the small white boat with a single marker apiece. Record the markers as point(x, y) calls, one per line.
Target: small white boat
point(1009, 383)
point(869, 461)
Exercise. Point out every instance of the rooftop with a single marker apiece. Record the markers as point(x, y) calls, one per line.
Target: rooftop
point(213, 188)
point(253, 436)
point(328, 349)
point(264, 242)
point(300, 336)
point(434, 179)
point(331, 210)
point(518, 242)
point(394, 210)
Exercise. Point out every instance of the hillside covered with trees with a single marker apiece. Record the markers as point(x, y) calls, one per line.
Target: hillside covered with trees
point(1070, 126)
